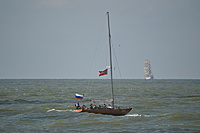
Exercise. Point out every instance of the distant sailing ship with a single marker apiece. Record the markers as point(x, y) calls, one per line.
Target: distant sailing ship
point(147, 70)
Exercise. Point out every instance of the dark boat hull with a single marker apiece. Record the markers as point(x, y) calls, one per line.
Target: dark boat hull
point(108, 111)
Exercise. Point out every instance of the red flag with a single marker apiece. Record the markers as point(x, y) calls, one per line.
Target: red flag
point(104, 72)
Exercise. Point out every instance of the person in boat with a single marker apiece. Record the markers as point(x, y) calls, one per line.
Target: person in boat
point(83, 107)
point(109, 106)
point(77, 106)
point(104, 105)
point(91, 106)
point(99, 106)
point(94, 107)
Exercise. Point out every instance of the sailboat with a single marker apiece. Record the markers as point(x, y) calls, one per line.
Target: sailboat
point(112, 110)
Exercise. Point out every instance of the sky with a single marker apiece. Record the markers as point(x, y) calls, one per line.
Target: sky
point(60, 39)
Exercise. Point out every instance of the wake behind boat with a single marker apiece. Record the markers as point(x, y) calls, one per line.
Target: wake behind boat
point(109, 110)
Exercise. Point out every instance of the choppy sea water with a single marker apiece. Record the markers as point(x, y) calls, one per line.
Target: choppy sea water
point(40, 105)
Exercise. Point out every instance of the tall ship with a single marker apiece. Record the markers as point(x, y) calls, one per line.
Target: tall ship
point(147, 70)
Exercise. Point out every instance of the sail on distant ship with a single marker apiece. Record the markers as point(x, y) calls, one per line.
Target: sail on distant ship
point(147, 70)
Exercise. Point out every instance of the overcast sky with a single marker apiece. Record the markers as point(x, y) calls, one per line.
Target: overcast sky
point(59, 38)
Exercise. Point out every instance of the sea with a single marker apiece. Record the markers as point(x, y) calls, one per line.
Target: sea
point(47, 105)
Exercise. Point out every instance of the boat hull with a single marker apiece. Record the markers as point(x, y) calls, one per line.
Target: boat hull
point(78, 110)
point(148, 78)
point(108, 111)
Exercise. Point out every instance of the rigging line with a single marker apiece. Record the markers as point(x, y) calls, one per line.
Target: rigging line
point(117, 63)
point(97, 52)
point(115, 57)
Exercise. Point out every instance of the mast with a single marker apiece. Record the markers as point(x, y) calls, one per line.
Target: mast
point(111, 72)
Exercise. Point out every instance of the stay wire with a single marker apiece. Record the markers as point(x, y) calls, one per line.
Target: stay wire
point(97, 55)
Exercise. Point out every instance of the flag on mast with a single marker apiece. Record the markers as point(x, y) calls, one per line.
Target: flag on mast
point(104, 72)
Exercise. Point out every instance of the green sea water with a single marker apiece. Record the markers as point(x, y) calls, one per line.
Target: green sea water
point(39, 105)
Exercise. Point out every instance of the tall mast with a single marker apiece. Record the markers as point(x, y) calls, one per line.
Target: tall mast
point(111, 73)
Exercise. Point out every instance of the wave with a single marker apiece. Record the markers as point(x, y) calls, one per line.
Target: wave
point(22, 101)
point(64, 110)
point(134, 115)
point(139, 115)
point(18, 101)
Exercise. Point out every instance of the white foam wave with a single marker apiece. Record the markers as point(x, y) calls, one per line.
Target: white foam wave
point(134, 115)
point(51, 110)
point(65, 110)
point(160, 115)
point(150, 115)
point(139, 115)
